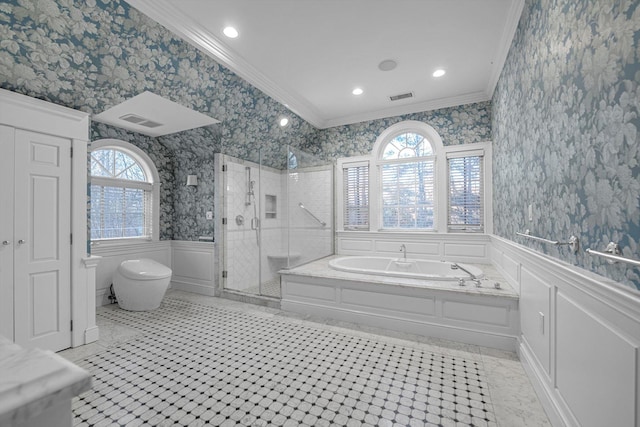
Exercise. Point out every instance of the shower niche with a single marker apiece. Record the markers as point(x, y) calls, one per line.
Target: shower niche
point(274, 233)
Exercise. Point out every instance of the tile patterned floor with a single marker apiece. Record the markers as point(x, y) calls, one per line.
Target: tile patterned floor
point(188, 364)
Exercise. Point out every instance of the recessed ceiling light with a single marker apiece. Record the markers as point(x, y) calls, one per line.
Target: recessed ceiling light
point(387, 65)
point(439, 73)
point(230, 32)
point(283, 121)
point(357, 91)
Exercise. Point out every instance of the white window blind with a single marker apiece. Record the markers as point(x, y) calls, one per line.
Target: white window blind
point(408, 195)
point(121, 196)
point(355, 178)
point(466, 207)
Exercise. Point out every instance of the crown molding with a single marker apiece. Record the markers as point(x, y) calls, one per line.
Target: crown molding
point(170, 16)
point(430, 105)
point(513, 19)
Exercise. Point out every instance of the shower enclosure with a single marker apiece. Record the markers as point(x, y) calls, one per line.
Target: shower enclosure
point(271, 214)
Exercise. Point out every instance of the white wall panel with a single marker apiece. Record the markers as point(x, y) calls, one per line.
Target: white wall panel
point(596, 370)
point(534, 315)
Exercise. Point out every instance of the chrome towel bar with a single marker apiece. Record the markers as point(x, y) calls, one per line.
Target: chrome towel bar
point(573, 242)
point(611, 255)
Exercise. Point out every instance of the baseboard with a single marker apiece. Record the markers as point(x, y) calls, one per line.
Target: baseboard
point(91, 334)
point(194, 288)
point(541, 386)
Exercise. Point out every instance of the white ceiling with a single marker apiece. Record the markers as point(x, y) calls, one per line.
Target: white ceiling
point(310, 54)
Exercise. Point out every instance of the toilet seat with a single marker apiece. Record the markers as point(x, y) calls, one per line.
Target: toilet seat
point(143, 269)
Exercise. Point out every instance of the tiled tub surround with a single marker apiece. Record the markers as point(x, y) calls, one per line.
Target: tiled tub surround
point(203, 360)
point(476, 315)
point(36, 387)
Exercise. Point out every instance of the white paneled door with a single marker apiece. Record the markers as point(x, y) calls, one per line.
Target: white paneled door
point(42, 247)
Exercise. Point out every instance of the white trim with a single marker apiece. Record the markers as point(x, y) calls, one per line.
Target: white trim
point(441, 193)
point(511, 25)
point(151, 172)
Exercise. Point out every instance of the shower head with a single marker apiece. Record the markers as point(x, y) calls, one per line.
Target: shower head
point(301, 205)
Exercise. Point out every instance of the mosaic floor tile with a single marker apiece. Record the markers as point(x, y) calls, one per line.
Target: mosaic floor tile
point(197, 365)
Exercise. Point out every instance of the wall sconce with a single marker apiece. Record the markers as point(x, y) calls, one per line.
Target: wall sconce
point(192, 179)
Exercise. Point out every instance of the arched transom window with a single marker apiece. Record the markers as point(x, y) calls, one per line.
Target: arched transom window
point(122, 192)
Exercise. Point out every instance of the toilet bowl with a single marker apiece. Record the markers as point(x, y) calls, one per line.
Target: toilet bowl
point(140, 284)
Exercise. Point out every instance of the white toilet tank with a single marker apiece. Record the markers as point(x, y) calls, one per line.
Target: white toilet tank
point(140, 284)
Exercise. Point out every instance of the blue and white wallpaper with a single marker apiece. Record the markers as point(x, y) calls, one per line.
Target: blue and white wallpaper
point(566, 130)
point(463, 124)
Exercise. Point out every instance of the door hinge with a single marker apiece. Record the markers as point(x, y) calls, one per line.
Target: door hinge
point(71, 239)
point(72, 326)
point(224, 221)
point(224, 168)
point(224, 274)
point(71, 151)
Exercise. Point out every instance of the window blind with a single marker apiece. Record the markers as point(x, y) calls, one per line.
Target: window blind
point(408, 195)
point(466, 207)
point(355, 180)
point(118, 212)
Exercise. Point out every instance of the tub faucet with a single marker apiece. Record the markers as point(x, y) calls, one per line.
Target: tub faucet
point(403, 249)
point(455, 266)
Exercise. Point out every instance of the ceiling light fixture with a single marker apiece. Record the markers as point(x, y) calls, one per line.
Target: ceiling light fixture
point(387, 65)
point(439, 73)
point(357, 91)
point(283, 121)
point(230, 32)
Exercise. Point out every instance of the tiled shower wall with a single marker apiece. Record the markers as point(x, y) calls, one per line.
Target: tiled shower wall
point(313, 188)
point(291, 225)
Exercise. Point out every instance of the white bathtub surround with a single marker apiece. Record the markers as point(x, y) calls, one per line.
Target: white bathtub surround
point(476, 315)
point(36, 387)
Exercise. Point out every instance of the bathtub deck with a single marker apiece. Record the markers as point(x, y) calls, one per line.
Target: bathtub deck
point(475, 315)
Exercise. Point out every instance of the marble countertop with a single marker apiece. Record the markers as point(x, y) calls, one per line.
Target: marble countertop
point(320, 268)
point(34, 380)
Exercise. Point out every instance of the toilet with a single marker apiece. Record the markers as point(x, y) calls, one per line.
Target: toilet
point(140, 284)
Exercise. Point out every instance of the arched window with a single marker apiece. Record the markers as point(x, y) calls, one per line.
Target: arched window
point(412, 182)
point(407, 177)
point(124, 192)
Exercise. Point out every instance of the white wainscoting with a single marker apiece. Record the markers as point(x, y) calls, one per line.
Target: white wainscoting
point(462, 247)
point(580, 338)
point(113, 254)
point(193, 267)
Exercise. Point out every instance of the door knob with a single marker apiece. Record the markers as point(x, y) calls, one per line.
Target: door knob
point(6, 242)
point(22, 242)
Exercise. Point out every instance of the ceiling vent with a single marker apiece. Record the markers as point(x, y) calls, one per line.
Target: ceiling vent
point(134, 118)
point(401, 96)
point(153, 115)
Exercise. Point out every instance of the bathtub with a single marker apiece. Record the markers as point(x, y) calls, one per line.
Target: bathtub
point(407, 268)
point(417, 297)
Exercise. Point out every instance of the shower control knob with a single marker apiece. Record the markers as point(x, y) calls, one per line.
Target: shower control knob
point(6, 242)
point(22, 242)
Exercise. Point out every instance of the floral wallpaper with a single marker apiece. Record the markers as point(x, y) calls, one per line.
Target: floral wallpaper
point(566, 131)
point(94, 54)
point(463, 124)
